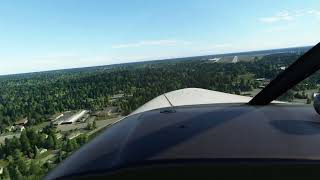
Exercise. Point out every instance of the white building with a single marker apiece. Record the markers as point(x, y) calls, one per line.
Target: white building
point(23, 121)
point(214, 60)
point(282, 67)
point(20, 128)
point(75, 117)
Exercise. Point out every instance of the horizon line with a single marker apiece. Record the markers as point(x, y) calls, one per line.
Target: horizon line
point(141, 61)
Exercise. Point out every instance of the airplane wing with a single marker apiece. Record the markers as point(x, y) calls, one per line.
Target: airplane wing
point(190, 96)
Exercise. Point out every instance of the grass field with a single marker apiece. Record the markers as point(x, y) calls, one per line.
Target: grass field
point(40, 156)
point(3, 163)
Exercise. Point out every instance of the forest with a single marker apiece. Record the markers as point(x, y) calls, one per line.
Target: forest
point(24, 157)
point(37, 96)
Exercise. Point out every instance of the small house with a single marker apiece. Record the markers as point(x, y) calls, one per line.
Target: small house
point(20, 128)
point(22, 122)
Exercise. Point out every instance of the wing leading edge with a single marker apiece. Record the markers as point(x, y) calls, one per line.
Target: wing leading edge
point(191, 96)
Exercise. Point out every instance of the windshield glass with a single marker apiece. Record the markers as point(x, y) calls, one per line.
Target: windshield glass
point(71, 69)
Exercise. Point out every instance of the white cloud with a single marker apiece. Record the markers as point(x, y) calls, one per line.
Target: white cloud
point(280, 16)
point(276, 29)
point(313, 12)
point(150, 43)
point(285, 15)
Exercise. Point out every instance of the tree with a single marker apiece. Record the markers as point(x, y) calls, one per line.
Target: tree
point(17, 155)
point(308, 100)
point(82, 139)
point(50, 142)
point(34, 168)
point(89, 126)
point(22, 166)
point(59, 158)
point(70, 146)
point(25, 144)
point(94, 125)
point(11, 169)
point(35, 151)
point(18, 175)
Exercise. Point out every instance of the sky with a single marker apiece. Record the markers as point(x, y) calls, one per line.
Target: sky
point(39, 35)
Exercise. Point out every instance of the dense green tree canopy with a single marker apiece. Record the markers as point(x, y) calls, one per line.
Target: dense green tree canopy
point(39, 95)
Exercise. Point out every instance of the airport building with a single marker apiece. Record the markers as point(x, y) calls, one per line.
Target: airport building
point(70, 117)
